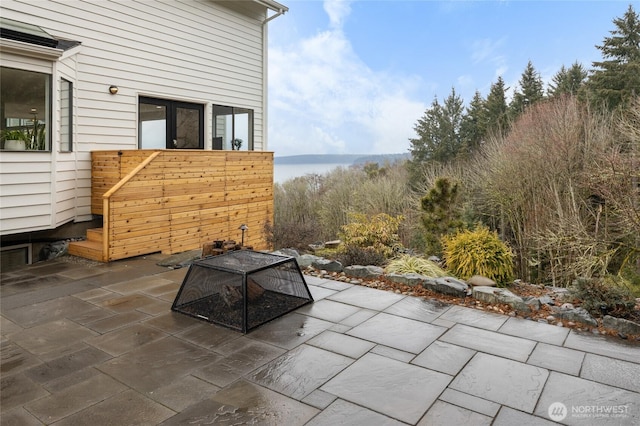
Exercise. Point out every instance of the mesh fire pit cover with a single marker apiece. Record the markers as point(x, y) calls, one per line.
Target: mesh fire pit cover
point(242, 289)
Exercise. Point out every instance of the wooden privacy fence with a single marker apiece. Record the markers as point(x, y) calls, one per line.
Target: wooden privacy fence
point(176, 200)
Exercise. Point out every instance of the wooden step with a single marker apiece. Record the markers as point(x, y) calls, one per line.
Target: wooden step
point(94, 234)
point(87, 249)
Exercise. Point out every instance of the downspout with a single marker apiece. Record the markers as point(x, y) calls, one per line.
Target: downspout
point(265, 68)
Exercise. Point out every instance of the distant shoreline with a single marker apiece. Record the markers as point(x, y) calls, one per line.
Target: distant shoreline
point(339, 158)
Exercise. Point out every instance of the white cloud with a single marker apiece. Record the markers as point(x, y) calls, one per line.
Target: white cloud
point(324, 99)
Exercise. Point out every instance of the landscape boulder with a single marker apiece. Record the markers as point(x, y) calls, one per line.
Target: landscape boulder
point(494, 295)
point(327, 265)
point(621, 325)
point(446, 285)
point(307, 260)
point(576, 315)
point(366, 272)
point(479, 280)
point(411, 279)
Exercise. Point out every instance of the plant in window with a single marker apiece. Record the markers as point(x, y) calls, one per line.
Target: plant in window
point(236, 144)
point(15, 139)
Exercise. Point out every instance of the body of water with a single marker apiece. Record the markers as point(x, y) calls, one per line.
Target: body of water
point(284, 172)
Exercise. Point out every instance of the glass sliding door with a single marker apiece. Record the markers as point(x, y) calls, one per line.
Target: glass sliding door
point(232, 128)
point(166, 124)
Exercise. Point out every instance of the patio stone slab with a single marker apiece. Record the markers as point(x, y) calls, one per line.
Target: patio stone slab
point(138, 284)
point(393, 388)
point(418, 308)
point(245, 403)
point(328, 310)
point(125, 339)
point(397, 332)
point(18, 417)
point(184, 392)
point(300, 371)
point(490, 342)
point(290, 331)
point(126, 408)
point(358, 318)
point(172, 322)
point(13, 358)
point(51, 310)
point(51, 336)
point(341, 344)
point(67, 364)
point(392, 353)
point(534, 330)
point(236, 364)
point(74, 398)
point(581, 395)
point(117, 320)
point(335, 285)
point(319, 293)
point(319, 399)
point(17, 389)
point(503, 381)
point(127, 303)
point(603, 345)
point(473, 403)
point(7, 326)
point(444, 357)
point(157, 364)
point(557, 358)
point(510, 417)
point(367, 297)
point(445, 414)
point(345, 413)
point(621, 374)
point(207, 335)
point(474, 317)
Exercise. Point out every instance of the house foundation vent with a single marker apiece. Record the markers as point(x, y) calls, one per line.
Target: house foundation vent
point(242, 289)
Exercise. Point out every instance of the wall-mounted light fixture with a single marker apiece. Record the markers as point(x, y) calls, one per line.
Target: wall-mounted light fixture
point(113, 89)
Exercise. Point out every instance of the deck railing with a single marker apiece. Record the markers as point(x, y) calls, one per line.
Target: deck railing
point(176, 200)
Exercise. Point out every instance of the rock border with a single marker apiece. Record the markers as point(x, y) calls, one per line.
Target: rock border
point(566, 314)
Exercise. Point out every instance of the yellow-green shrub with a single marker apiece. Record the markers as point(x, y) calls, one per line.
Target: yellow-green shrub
point(406, 264)
point(378, 233)
point(478, 252)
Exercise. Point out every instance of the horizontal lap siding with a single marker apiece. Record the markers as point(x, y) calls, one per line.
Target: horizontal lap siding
point(203, 51)
point(183, 199)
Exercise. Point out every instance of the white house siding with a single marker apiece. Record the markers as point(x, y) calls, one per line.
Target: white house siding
point(199, 51)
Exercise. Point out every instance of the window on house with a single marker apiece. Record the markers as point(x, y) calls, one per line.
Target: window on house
point(25, 110)
point(66, 117)
point(232, 128)
point(163, 123)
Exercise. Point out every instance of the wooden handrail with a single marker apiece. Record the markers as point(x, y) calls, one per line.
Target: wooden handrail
point(109, 193)
point(131, 174)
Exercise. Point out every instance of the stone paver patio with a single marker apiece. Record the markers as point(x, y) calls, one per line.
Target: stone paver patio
point(86, 344)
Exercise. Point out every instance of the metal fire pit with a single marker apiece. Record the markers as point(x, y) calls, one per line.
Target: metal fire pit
point(242, 289)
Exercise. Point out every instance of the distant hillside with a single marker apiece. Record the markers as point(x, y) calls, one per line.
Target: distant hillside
point(339, 158)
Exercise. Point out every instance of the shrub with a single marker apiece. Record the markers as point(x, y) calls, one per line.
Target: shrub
point(440, 213)
point(378, 234)
point(406, 264)
point(604, 296)
point(352, 255)
point(478, 252)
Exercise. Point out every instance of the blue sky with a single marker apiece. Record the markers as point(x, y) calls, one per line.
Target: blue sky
point(353, 77)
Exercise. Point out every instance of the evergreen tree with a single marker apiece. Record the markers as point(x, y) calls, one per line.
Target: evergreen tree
point(473, 129)
point(616, 79)
point(438, 133)
point(567, 81)
point(531, 91)
point(496, 109)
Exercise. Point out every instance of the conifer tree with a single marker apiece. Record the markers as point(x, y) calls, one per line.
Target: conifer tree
point(530, 91)
point(496, 109)
point(567, 81)
point(473, 129)
point(616, 79)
